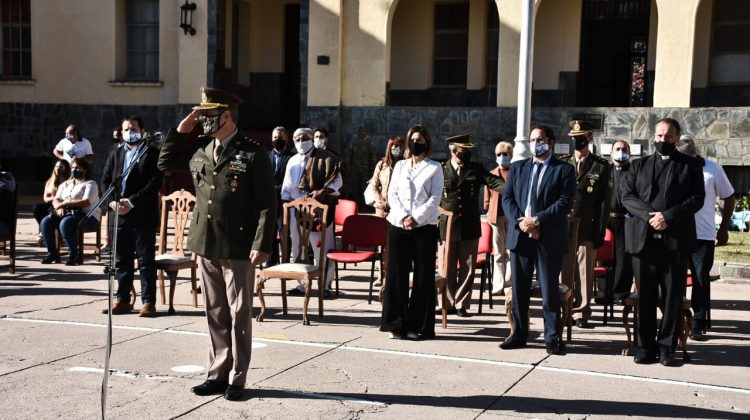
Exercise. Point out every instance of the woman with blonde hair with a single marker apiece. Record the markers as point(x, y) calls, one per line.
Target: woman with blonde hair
point(497, 220)
point(60, 173)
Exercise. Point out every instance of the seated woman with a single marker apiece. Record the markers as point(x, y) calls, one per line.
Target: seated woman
point(74, 199)
point(60, 173)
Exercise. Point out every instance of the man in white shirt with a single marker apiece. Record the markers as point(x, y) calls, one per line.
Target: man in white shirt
point(702, 259)
point(306, 176)
point(73, 146)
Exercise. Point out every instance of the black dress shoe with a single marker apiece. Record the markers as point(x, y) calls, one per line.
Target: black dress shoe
point(644, 357)
point(51, 259)
point(698, 335)
point(210, 387)
point(72, 261)
point(666, 358)
point(449, 311)
point(557, 348)
point(462, 313)
point(512, 343)
point(582, 323)
point(234, 392)
point(295, 292)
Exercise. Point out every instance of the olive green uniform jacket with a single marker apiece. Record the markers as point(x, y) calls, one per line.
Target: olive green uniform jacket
point(462, 195)
point(593, 198)
point(235, 210)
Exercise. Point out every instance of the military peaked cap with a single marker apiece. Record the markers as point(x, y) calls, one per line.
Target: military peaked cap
point(216, 98)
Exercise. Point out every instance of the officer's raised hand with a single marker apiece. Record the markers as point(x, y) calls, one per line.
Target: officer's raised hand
point(188, 123)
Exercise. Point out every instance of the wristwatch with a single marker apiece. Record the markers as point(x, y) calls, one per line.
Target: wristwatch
point(536, 221)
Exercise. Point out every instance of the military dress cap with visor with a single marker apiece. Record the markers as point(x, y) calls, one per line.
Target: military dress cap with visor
point(580, 127)
point(212, 98)
point(465, 141)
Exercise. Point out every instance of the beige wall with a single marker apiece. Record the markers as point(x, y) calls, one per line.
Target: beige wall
point(363, 52)
point(557, 41)
point(324, 86)
point(702, 52)
point(411, 45)
point(477, 44)
point(76, 53)
point(674, 52)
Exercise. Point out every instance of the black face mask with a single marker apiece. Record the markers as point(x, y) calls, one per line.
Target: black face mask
point(664, 148)
point(77, 174)
point(581, 142)
point(417, 149)
point(278, 144)
point(210, 123)
point(464, 156)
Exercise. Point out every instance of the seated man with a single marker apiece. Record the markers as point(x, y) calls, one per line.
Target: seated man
point(314, 173)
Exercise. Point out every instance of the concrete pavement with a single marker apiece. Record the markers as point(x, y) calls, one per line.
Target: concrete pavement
point(341, 366)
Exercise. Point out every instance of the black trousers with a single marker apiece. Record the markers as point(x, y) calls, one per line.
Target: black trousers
point(41, 210)
point(623, 261)
point(136, 241)
point(701, 261)
point(416, 313)
point(658, 269)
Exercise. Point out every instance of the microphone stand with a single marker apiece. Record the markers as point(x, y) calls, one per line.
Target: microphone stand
point(109, 270)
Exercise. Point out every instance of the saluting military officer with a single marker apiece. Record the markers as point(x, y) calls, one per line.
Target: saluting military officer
point(591, 207)
point(231, 231)
point(463, 180)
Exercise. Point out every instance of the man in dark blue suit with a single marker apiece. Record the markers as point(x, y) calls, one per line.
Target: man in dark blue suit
point(138, 207)
point(279, 157)
point(538, 196)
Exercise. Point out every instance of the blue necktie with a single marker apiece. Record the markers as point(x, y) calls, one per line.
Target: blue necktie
point(534, 181)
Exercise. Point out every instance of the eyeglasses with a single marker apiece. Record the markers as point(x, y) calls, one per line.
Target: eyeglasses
point(540, 140)
point(501, 154)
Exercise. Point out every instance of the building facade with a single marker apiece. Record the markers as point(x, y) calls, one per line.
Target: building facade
point(379, 64)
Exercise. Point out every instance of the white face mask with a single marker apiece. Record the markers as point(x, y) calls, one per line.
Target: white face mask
point(303, 146)
point(131, 136)
point(320, 142)
point(620, 156)
point(396, 151)
point(503, 161)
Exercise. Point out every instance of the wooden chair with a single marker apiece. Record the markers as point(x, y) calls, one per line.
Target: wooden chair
point(171, 260)
point(8, 242)
point(365, 232)
point(605, 268)
point(631, 305)
point(441, 285)
point(310, 216)
point(566, 284)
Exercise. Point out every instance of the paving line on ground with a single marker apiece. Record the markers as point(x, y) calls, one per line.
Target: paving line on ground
point(168, 330)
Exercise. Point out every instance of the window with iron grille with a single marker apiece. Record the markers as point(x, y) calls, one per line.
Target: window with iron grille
point(451, 44)
point(15, 38)
point(142, 40)
point(730, 51)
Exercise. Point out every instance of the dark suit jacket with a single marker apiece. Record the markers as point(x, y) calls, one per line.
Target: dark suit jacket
point(682, 199)
point(235, 210)
point(557, 191)
point(141, 186)
point(279, 169)
point(461, 196)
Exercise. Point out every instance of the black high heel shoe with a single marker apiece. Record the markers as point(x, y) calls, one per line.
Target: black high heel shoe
point(51, 259)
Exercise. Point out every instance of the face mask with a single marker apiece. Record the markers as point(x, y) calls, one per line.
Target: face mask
point(540, 149)
point(620, 156)
point(396, 151)
point(210, 123)
point(77, 173)
point(131, 136)
point(503, 161)
point(70, 137)
point(278, 144)
point(581, 142)
point(464, 156)
point(417, 149)
point(664, 148)
point(320, 143)
point(303, 146)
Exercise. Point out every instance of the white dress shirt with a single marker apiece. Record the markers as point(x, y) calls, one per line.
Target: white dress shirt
point(83, 190)
point(415, 191)
point(535, 188)
point(295, 170)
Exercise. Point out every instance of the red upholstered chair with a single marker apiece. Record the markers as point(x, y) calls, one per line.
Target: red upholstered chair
point(484, 262)
point(605, 268)
point(367, 235)
point(344, 209)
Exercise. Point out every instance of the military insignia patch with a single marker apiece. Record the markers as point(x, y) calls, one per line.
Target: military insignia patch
point(238, 165)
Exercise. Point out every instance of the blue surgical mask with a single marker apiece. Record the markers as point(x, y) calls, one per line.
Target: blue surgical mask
point(70, 137)
point(620, 156)
point(540, 149)
point(131, 136)
point(503, 161)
